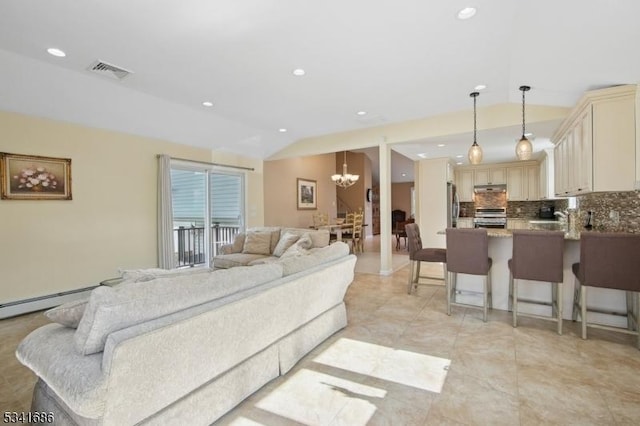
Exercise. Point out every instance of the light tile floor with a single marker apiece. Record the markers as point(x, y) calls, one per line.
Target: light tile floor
point(403, 361)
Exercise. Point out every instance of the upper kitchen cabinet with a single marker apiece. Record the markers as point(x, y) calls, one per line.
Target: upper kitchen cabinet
point(522, 182)
point(490, 176)
point(464, 183)
point(521, 179)
point(546, 174)
point(596, 145)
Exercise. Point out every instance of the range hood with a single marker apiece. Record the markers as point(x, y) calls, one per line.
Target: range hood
point(489, 188)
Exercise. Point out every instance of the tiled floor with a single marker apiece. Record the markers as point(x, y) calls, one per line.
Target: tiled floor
point(403, 361)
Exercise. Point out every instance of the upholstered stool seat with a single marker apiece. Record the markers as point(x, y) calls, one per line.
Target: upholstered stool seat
point(537, 256)
point(608, 261)
point(417, 254)
point(468, 253)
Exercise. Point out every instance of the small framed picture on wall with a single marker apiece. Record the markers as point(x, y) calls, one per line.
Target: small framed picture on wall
point(307, 194)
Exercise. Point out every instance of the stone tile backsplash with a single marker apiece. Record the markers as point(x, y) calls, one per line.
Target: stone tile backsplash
point(612, 211)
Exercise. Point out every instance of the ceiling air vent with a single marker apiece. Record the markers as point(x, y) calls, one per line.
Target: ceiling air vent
point(109, 70)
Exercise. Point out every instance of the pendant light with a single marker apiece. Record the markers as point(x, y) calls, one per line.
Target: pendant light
point(345, 180)
point(524, 149)
point(475, 152)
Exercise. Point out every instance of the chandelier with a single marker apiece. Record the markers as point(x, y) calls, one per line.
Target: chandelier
point(475, 152)
point(344, 180)
point(524, 149)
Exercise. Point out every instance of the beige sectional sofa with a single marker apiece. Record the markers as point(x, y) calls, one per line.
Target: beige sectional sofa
point(242, 252)
point(185, 349)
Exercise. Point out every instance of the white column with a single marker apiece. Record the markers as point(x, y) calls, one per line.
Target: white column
point(386, 267)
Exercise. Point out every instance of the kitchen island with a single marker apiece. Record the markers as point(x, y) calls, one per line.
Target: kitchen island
point(500, 251)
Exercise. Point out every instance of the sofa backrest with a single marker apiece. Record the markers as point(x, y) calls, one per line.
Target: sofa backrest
point(111, 309)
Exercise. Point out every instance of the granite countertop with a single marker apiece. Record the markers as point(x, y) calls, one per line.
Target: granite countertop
point(508, 233)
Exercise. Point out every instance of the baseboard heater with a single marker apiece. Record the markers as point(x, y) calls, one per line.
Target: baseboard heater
point(20, 307)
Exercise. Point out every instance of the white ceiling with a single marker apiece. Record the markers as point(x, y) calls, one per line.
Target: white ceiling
point(397, 60)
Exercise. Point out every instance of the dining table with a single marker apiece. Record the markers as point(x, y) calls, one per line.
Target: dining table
point(337, 228)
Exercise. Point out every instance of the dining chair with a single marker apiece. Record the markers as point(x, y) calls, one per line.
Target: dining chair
point(354, 233)
point(401, 232)
point(320, 219)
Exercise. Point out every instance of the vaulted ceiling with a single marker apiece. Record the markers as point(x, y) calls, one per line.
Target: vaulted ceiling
point(395, 60)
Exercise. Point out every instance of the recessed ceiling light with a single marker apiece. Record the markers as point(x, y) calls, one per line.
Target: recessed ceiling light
point(459, 163)
point(466, 13)
point(528, 134)
point(422, 155)
point(440, 145)
point(403, 174)
point(299, 72)
point(282, 130)
point(459, 156)
point(207, 103)
point(480, 87)
point(56, 52)
point(361, 112)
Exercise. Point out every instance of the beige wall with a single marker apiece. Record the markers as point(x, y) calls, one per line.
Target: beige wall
point(55, 246)
point(280, 189)
point(401, 197)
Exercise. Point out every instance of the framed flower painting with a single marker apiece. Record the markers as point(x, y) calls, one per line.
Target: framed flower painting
point(32, 177)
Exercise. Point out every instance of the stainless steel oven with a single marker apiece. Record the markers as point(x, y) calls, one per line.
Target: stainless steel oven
point(490, 217)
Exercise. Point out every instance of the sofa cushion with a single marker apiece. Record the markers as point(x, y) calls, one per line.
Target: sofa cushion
point(315, 256)
point(110, 309)
point(139, 275)
point(263, 260)
point(300, 248)
point(76, 379)
point(68, 314)
point(286, 240)
point(319, 238)
point(226, 261)
point(257, 242)
point(238, 243)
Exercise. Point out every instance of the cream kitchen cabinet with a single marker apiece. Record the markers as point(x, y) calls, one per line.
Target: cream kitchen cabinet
point(464, 185)
point(546, 186)
point(490, 176)
point(522, 182)
point(595, 145)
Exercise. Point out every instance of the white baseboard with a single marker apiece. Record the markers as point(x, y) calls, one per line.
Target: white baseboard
point(34, 304)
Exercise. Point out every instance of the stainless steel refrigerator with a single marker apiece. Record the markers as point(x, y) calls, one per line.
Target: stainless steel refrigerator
point(453, 205)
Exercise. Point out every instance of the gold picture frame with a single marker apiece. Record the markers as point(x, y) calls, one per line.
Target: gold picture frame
point(307, 194)
point(33, 177)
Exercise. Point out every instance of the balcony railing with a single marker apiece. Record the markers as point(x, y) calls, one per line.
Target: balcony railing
point(190, 242)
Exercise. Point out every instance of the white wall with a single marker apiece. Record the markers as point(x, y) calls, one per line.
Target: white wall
point(432, 201)
point(52, 246)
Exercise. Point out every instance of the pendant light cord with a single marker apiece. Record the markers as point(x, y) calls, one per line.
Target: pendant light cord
point(523, 89)
point(474, 95)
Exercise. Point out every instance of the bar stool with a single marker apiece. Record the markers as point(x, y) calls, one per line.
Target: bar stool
point(537, 256)
point(608, 260)
point(419, 254)
point(468, 253)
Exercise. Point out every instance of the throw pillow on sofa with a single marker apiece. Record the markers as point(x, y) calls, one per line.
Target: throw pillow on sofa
point(286, 241)
point(68, 314)
point(257, 243)
point(300, 248)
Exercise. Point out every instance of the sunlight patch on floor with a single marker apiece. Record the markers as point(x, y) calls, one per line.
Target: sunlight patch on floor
point(398, 366)
point(311, 397)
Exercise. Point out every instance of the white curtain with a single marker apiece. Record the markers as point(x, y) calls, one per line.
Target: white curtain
point(166, 259)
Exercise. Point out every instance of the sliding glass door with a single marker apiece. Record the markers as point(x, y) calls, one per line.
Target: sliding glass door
point(208, 211)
